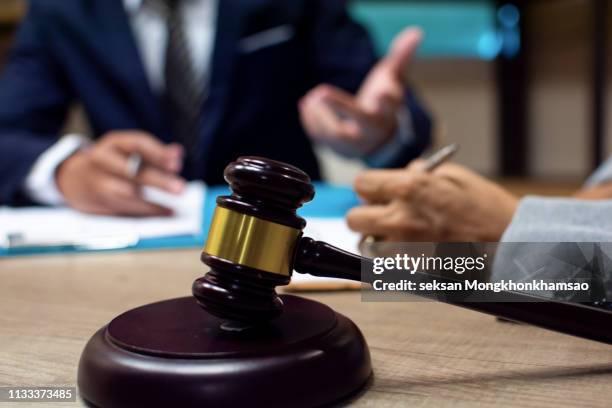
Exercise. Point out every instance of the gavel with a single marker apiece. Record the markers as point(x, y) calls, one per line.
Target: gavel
point(255, 242)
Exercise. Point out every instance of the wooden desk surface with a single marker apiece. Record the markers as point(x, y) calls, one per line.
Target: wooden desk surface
point(424, 354)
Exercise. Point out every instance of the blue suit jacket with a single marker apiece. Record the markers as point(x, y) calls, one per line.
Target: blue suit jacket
point(83, 51)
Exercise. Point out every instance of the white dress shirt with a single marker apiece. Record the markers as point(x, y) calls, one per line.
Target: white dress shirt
point(149, 28)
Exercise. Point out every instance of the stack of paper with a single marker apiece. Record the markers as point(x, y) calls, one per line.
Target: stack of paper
point(52, 227)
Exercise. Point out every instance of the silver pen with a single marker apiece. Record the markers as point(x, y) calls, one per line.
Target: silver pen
point(440, 156)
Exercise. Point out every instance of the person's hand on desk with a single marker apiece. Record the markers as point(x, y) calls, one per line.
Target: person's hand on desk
point(358, 125)
point(97, 180)
point(451, 203)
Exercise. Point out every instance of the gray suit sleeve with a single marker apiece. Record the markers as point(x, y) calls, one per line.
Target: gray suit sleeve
point(561, 238)
point(540, 219)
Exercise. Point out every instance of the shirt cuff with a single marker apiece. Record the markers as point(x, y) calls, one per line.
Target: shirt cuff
point(40, 185)
point(404, 136)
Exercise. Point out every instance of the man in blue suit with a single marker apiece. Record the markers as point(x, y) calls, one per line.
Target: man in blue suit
point(188, 85)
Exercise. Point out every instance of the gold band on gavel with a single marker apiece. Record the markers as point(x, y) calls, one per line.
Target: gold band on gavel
point(251, 241)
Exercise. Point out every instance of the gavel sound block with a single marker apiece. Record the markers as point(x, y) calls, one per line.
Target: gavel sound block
point(236, 342)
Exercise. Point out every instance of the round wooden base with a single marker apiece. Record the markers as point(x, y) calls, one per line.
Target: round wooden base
point(173, 353)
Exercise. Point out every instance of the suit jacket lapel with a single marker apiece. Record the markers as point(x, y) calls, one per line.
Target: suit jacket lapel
point(230, 20)
point(122, 58)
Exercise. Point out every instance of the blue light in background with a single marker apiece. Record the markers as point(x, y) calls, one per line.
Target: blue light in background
point(465, 29)
point(489, 45)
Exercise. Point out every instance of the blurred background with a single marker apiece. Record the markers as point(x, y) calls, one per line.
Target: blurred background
point(521, 85)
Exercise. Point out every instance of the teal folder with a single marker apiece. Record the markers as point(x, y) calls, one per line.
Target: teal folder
point(330, 201)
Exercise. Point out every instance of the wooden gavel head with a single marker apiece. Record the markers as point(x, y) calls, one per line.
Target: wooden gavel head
point(252, 240)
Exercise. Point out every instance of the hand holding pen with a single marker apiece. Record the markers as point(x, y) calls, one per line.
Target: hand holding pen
point(431, 201)
point(107, 177)
point(428, 165)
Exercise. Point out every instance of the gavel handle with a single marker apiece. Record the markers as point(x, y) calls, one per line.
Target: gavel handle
point(321, 259)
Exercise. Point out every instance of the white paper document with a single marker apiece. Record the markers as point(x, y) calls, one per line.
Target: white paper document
point(41, 226)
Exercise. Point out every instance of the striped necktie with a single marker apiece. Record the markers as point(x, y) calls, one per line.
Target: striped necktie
point(184, 89)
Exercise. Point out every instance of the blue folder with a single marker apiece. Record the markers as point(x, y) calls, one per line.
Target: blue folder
point(330, 201)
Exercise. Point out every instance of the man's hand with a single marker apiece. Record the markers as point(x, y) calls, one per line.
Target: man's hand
point(358, 125)
point(450, 204)
point(96, 179)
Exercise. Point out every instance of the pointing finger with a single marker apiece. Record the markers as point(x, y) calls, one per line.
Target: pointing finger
point(402, 50)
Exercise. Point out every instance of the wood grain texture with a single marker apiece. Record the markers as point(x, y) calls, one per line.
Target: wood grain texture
point(424, 354)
